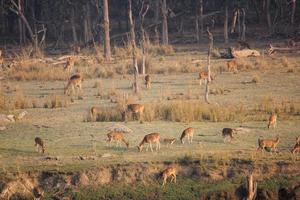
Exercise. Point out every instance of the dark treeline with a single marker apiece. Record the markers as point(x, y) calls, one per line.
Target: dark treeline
point(64, 22)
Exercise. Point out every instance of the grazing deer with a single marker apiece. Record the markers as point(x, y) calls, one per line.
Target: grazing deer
point(268, 143)
point(232, 65)
point(149, 139)
point(169, 141)
point(39, 144)
point(243, 45)
point(228, 132)
point(69, 65)
point(74, 82)
point(272, 120)
point(148, 81)
point(297, 146)
point(134, 109)
point(204, 76)
point(94, 112)
point(118, 137)
point(169, 172)
point(189, 132)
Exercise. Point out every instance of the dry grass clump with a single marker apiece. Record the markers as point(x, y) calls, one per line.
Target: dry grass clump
point(56, 101)
point(217, 91)
point(255, 79)
point(244, 64)
point(160, 49)
point(262, 63)
point(285, 62)
point(148, 63)
point(291, 69)
point(107, 114)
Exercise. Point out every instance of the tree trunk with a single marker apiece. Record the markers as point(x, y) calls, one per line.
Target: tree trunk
point(210, 48)
point(106, 30)
point(75, 40)
point(156, 19)
point(251, 187)
point(201, 18)
point(226, 23)
point(134, 58)
point(165, 37)
point(268, 14)
point(243, 25)
point(293, 5)
point(143, 13)
point(20, 26)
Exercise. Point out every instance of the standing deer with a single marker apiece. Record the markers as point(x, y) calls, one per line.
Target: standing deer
point(268, 143)
point(228, 132)
point(74, 82)
point(232, 65)
point(169, 172)
point(149, 139)
point(272, 120)
point(39, 144)
point(189, 132)
point(69, 65)
point(118, 137)
point(297, 146)
point(204, 76)
point(148, 81)
point(94, 112)
point(134, 109)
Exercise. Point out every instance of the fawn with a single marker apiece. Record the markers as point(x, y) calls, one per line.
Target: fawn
point(232, 65)
point(189, 132)
point(169, 141)
point(272, 120)
point(228, 132)
point(148, 81)
point(74, 82)
point(204, 76)
point(268, 143)
point(39, 144)
point(118, 137)
point(149, 139)
point(169, 172)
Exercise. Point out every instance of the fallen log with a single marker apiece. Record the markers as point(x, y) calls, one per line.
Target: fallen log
point(244, 53)
point(271, 49)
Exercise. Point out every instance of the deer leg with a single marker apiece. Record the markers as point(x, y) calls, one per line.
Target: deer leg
point(151, 147)
point(165, 180)
point(147, 147)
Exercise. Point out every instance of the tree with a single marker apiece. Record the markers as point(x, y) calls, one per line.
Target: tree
point(143, 12)
point(106, 31)
point(132, 37)
point(210, 48)
point(164, 11)
point(226, 23)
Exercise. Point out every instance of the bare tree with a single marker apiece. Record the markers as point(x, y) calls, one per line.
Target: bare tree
point(201, 18)
point(210, 48)
point(226, 23)
point(106, 30)
point(164, 11)
point(268, 14)
point(143, 12)
point(132, 37)
point(251, 187)
point(293, 10)
point(156, 19)
point(243, 37)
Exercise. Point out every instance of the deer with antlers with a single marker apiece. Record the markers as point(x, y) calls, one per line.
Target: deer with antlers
point(150, 139)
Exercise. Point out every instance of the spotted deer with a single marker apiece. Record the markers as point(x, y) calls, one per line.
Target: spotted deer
point(94, 112)
point(232, 66)
point(272, 121)
point(118, 137)
point(268, 143)
point(169, 141)
point(297, 146)
point(148, 81)
point(204, 76)
point(39, 144)
point(74, 82)
point(69, 65)
point(228, 132)
point(150, 139)
point(170, 171)
point(135, 110)
point(189, 132)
